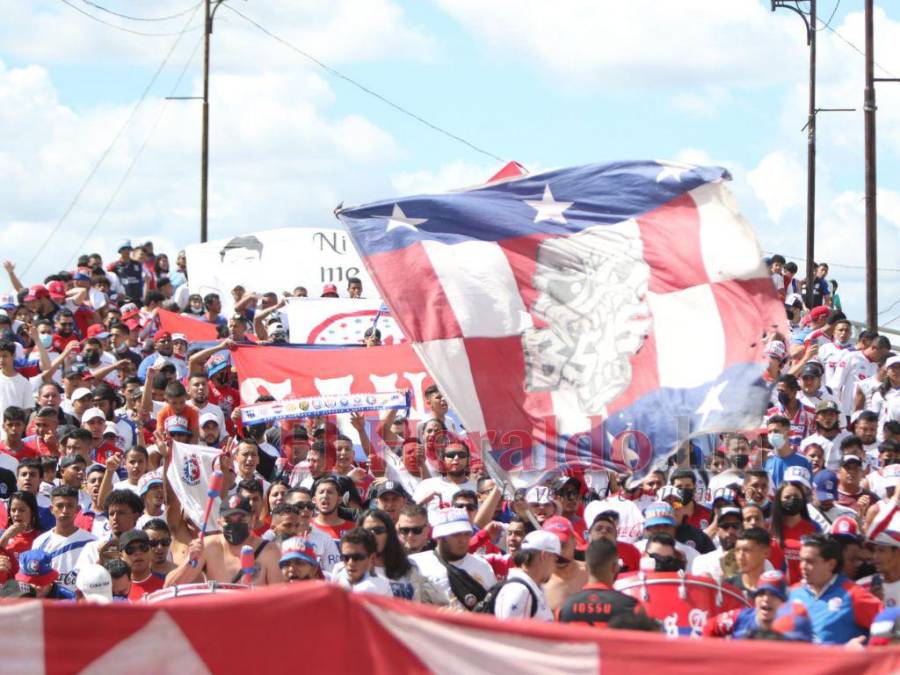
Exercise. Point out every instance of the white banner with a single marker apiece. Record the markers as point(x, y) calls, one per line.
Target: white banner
point(338, 321)
point(277, 261)
point(188, 475)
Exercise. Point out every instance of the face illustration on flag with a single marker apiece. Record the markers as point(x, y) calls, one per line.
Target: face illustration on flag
point(598, 314)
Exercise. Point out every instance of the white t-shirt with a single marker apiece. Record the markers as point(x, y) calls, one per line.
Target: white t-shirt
point(858, 369)
point(831, 448)
point(64, 552)
point(514, 601)
point(477, 567)
point(370, 584)
point(326, 550)
point(690, 554)
point(215, 410)
point(710, 564)
point(631, 520)
point(15, 390)
point(395, 470)
point(125, 485)
point(445, 489)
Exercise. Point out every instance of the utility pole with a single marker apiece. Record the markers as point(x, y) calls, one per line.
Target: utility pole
point(204, 142)
point(869, 109)
point(809, 22)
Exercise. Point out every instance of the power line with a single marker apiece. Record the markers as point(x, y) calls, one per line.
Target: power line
point(109, 147)
point(137, 155)
point(138, 18)
point(827, 23)
point(363, 88)
point(121, 28)
point(855, 48)
point(831, 264)
point(885, 311)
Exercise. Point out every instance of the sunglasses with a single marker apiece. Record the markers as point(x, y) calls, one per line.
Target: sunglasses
point(456, 455)
point(378, 529)
point(309, 506)
point(405, 531)
point(729, 526)
point(356, 557)
point(131, 549)
point(155, 543)
point(467, 507)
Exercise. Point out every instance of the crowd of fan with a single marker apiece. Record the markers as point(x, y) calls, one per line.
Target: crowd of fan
point(798, 515)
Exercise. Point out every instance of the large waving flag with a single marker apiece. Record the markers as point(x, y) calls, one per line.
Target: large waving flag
point(586, 315)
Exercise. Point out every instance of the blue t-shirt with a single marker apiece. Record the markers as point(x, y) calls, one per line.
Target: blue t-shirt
point(775, 466)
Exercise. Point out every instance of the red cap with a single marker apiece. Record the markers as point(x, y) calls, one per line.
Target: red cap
point(95, 330)
point(559, 526)
point(845, 526)
point(162, 335)
point(329, 289)
point(819, 312)
point(132, 323)
point(57, 290)
point(37, 292)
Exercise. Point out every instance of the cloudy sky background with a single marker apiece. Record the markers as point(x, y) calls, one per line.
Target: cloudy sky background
point(547, 84)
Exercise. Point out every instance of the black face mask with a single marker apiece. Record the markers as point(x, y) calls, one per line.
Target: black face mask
point(667, 563)
point(783, 399)
point(687, 494)
point(741, 461)
point(792, 506)
point(236, 533)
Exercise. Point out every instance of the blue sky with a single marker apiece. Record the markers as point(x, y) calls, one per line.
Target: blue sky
point(547, 84)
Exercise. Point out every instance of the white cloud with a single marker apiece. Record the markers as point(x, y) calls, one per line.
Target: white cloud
point(704, 103)
point(450, 176)
point(639, 43)
point(779, 181)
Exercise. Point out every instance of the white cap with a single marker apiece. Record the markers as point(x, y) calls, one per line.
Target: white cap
point(538, 495)
point(893, 361)
point(80, 393)
point(541, 540)
point(95, 584)
point(208, 417)
point(92, 413)
point(797, 474)
point(450, 521)
point(110, 428)
point(179, 336)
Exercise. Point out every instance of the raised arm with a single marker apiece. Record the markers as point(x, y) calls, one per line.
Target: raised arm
point(10, 268)
point(197, 362)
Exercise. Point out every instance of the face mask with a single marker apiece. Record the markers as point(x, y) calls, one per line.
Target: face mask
point(776, 441)
point(687, 494)
point(46, 340)
point(122, 348)
point(741, 461)
point(764, 504)
point(667, 563)
point(792, 506)
point(236, 533)
point(783, 399)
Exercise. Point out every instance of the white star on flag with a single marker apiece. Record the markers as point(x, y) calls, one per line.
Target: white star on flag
point(399, 219)
point(672, 170)
point(548, 208)
point(711, 403)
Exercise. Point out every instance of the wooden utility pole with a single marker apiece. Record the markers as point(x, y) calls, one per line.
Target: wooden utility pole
point(869, 109)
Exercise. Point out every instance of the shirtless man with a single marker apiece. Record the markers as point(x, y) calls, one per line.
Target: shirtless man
point(218, 556)
point(570, 575)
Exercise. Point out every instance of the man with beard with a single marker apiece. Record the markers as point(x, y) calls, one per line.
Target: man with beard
point(326, 496)
point(198, 398)
point(769, 595)
point(828, 434)
point(866, 428)
point(298, 561)
point(413, 529)
point(437, 493)
point(163, 353)
point(218, 556)
point(728, 524)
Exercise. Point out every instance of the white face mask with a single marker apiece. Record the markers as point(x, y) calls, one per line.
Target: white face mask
point(46, 340)
point(776, 440)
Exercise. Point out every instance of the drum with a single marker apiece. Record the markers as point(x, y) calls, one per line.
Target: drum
point(191, 590)
point(681, 602)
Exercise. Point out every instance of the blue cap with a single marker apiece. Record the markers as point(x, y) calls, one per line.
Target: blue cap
point(35, 568)
point(659, 513)
point(125, 244)
point(825, 483)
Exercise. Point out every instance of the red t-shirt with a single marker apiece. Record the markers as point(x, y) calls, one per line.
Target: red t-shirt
point(701, 517)
point(103, 451)
point(148, 585)
point(629, 557)
point(24, 452)
point(21, 542)
point(792, 537)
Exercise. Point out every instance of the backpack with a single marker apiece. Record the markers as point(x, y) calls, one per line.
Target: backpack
point(487, 605)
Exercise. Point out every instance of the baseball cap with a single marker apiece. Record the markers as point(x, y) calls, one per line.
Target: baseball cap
point(179, 337)
point(538, 495)
point(237, 504)
point(669, 492)
point(298, 548)
point(792, 621)
point(68, 460)
point(811, 370)
point(450, 521)
point(94, 468)
point(92, 414)
point(659, 513)
point(730, 511)
point(176, 424)
point(772, 581)
point(827, 406)
point(95, 584)
point(893, 361)
point(208, 417)
point(80, 393)
point(845, 527)
point(162, 335)
point(541, 540)
point(826, 485)
point(850, 458)
point(390, 486)
point(885, 627)
point(797, 474)
point(110, 429)
point(793, 299)
point(97, 331)
point(57, 290)
point(819, 312)
point(559, 526)
point(216, 362)
point(329, 291)
point(37, 292)
point(132, 536)
point(147, 481)
point(8, 301)
point(776, 350)
point(35, 568)
point(125, 245)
